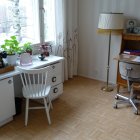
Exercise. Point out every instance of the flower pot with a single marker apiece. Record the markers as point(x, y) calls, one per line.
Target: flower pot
point(30, 52)
point(11, 59)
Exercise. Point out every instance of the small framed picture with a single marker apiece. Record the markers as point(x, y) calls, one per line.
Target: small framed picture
point(130, 25)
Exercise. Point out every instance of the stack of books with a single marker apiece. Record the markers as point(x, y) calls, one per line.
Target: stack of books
point(132, 52)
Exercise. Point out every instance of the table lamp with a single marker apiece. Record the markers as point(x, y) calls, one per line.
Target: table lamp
point(108, 23)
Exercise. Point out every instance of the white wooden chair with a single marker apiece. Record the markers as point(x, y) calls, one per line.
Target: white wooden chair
point(36, 86)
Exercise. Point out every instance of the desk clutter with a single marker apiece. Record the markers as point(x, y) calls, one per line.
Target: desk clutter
point(12, 48)
point(128, 58)
point(132, 52)
point(4, 67)
point(24, 59)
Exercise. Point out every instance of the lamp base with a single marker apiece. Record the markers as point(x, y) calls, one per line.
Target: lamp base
point(107, 88)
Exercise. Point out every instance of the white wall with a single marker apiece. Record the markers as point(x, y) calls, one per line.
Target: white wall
point(93, 47)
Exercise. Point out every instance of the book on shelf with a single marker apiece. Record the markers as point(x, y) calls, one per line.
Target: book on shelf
point(132, 52)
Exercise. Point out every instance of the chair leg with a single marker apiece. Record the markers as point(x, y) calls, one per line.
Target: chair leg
point(134, 106)
point(50, 103)
point(122, 97)
point(47, 111)
point(51, 106)
point(132, 101)
point(26, 111)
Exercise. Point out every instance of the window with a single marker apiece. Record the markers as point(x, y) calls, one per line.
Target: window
point(5, 20)
point(49, 20)
point(29, 20)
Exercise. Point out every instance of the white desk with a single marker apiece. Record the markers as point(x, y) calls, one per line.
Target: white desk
point(8, 85)
point(37, 63)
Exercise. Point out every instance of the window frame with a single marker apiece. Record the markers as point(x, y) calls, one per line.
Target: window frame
point(40, 24)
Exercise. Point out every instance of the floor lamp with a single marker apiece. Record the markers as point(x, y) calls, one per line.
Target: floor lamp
point(108, 23)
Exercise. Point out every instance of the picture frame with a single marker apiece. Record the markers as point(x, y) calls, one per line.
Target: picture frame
point(136, 30)
point(130, 25)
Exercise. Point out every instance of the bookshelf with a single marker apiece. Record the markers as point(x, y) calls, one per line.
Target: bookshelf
point(129, 42)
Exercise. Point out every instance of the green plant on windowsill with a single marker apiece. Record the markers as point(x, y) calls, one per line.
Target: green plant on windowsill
point(11, 46)
point(27, 47)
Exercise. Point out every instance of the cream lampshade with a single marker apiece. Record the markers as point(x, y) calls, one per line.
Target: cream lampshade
point(110, 22)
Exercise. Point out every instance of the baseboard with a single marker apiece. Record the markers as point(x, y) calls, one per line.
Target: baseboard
point(98, 79)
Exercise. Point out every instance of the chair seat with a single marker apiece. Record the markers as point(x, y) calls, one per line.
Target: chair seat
point(36, 91)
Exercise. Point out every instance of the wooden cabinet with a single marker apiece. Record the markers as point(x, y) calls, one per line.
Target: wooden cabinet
point(129, 42)
point(7, 100)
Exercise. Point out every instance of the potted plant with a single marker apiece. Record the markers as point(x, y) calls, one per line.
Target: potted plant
point(11, 46)
point(27, 47)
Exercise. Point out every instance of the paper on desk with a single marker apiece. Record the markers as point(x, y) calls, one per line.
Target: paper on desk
point(137, 59)
point(126, 56)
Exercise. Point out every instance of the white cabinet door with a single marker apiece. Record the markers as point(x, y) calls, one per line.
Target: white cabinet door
point(7, 100)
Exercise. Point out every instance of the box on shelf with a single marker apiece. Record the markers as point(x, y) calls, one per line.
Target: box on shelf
point(6, 69)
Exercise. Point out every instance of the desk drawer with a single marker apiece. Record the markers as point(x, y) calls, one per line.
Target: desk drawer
point(56, 68)
point(56, 91)
point(55, 79)
point(55, 76)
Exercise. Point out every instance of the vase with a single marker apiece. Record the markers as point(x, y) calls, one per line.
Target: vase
point(11, 59)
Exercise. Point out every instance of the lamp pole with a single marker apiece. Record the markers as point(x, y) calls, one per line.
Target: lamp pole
point(107, 87)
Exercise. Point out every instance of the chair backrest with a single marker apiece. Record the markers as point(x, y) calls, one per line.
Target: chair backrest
point(34, 80)
point(132, 71)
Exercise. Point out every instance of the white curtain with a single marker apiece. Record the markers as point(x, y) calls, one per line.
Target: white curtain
point(67, 35)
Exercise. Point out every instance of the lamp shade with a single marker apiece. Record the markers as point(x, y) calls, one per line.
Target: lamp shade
point(111, 21)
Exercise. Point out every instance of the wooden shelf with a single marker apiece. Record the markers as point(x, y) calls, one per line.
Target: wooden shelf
point(135, 37)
